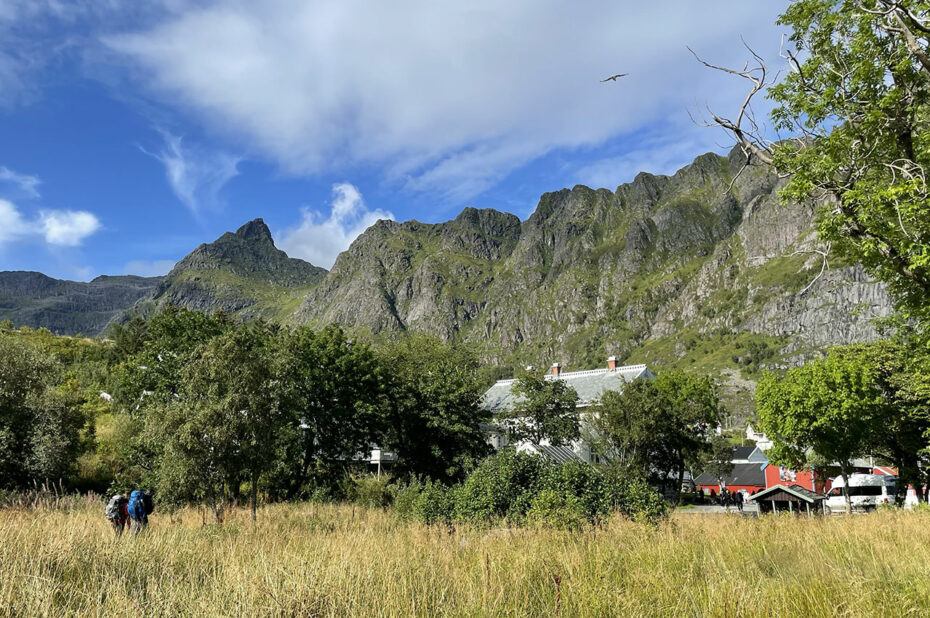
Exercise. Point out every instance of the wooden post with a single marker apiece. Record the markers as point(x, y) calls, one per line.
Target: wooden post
point(790, 507)
point(808, 508)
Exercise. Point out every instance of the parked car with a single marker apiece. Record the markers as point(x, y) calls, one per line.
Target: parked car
point(866, 492)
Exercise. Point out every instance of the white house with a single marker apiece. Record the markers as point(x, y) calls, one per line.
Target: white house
point(760, 439)
point(589, 384)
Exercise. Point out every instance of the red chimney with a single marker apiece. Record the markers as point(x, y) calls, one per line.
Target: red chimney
point(611, 362)
point(556, 369)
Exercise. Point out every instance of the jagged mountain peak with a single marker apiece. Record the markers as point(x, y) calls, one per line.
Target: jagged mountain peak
point(490, 221)
point(255, 230)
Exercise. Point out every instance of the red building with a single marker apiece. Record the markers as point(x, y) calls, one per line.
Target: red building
point(748, 477)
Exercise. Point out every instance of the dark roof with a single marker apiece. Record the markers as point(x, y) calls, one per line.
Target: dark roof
point(742, 452)
point(796, 490)
point(743, 474)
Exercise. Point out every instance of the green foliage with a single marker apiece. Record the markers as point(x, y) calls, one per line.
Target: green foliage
point(369, 491)
point(40, 419)
point(861, 95)
point(545, 411)
point(331, 394)
point(716, 459)
point(659, 426)
point(556, 510)
point(433, 414)
point(521, 488)
point(829, 407)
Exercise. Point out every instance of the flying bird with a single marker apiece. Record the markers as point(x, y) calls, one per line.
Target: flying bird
point(614, 78)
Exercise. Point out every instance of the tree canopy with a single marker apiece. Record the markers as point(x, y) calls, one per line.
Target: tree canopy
point(853, 112)
point(660, 426)
point(546, 410)
point(828, 408)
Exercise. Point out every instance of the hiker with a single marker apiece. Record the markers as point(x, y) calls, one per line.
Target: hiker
point(739, 501)
point(117, 513)
point(140, 507)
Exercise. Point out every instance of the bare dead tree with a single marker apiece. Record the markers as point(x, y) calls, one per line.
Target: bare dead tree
point(744, 127)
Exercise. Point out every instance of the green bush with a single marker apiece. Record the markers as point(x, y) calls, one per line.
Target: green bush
point(496, 485)
point(436, 504)
point(368, 490)
point(521, 488)
point(633, 497)
point(557, 510)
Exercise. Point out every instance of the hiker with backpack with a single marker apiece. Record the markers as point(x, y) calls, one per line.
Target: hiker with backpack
point(140, 507)
point(117, 513)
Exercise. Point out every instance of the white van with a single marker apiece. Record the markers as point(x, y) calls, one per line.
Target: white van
point(866, 492)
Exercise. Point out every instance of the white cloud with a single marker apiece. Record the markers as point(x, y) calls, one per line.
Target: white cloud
point(319, 239)
point(67, 228)
point(148, 269)
point(26, 185)
point(656, 155)
point(12, 225)
point(63, 228)
point(449, 97)
point(196, 174)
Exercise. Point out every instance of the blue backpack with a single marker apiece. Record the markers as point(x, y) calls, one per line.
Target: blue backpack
point(136, 506)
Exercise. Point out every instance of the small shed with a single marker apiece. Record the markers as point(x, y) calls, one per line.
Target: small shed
point(789, 499)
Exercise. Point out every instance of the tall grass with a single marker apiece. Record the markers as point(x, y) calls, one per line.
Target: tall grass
point(322, 560)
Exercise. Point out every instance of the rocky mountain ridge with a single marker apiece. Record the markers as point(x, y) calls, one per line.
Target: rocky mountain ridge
point(69, 307)
point(704, 268)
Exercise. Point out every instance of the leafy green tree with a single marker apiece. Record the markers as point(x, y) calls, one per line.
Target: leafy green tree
point(221, 424)
point(657, 427)
point(129, 338)
point(546, 411)
point(828, 408)
point(331, 391)
point(857, 102)
point(693, 412)
point(235, 375)
point(39, 425)
point(901, 434)
point(172, 337)
point(432, 404)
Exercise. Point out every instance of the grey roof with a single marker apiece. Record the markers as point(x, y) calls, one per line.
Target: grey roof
point(742, 452)
point(801, 492)
point(589, 385)
point(558, 454)
point(743, 474)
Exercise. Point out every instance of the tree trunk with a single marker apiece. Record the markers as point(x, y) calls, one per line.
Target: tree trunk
point(681, 479)
point(844, 472)
point(216, 514)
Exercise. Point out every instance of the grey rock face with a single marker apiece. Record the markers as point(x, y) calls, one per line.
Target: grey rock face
point(594, 272)
point(69, 307)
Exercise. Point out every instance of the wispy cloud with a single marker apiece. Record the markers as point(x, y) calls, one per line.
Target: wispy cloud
point(657, 154)
point(57, 228)
point(145, 268)
point(448, 97)
point(319, 238)
point(24, 184)
point(195, 174)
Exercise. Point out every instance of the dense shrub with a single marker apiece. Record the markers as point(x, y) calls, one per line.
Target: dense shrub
point(521, 488)
point(430, 502)
point(368, 490)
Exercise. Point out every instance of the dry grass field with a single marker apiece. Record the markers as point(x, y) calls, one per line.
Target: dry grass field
point(320, 560)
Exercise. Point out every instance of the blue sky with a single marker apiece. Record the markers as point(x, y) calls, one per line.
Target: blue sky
point(130, 135)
